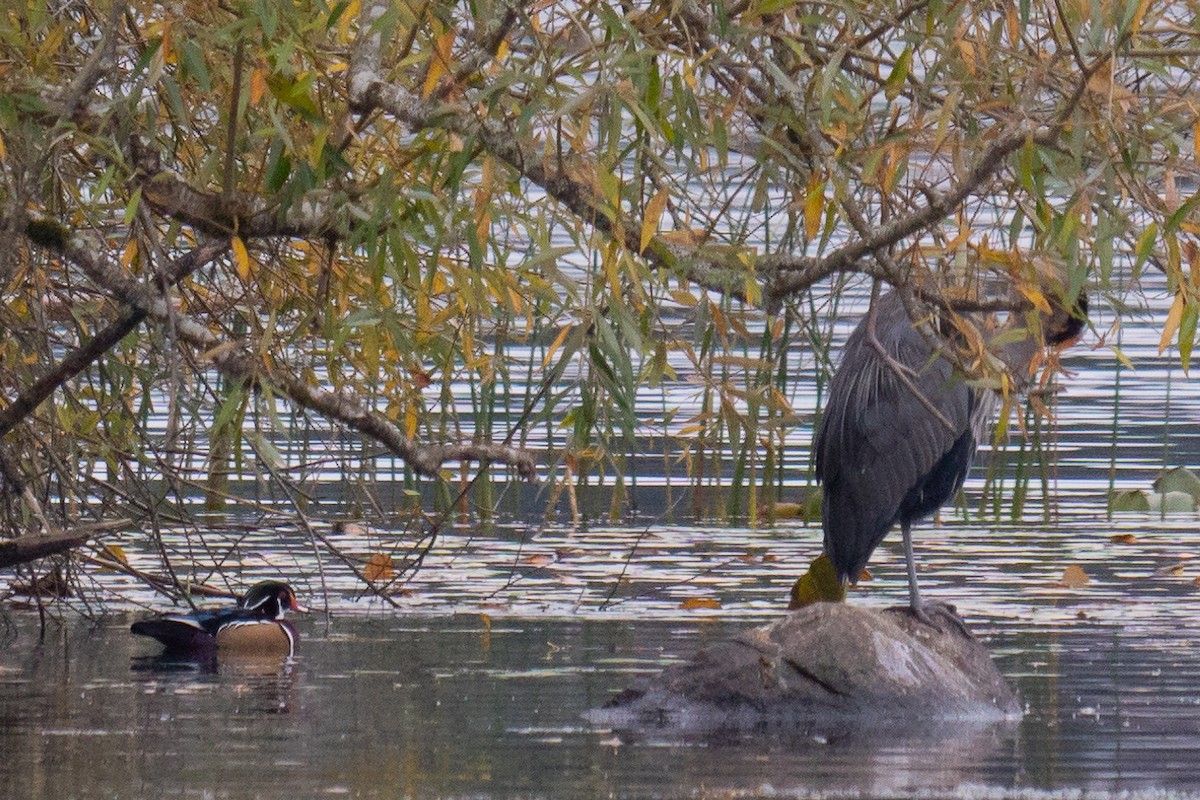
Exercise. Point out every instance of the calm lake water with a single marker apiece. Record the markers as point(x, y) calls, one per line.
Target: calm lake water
point(477, 684)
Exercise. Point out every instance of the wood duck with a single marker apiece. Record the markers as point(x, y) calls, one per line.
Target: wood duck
point(254, 627)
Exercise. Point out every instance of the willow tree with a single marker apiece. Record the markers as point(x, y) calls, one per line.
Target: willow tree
point(223, 218)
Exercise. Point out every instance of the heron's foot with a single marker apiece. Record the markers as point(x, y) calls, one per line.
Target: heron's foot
point(936, 614)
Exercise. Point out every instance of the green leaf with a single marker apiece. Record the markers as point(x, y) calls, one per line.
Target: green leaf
point(132, 206)
point(1127, 500)
point(899, 74)
point(192, 61)
point(296, 95)
point(279, 166)
point(1187, 335)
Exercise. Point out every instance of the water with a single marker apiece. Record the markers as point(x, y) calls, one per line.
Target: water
point(476, 685)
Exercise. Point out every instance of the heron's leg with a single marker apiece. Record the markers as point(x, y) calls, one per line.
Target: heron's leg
point(914, 593)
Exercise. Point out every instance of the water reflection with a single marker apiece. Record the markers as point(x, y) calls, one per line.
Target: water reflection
point(450, 706)
point(263, 684)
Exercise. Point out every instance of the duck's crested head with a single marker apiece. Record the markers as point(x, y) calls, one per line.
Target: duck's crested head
point(272, 599)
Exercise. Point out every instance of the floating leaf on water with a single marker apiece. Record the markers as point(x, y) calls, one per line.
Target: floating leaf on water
point(538, 560)
point(1170, 569)
point(1178, 479)
point(865, 575)
point(700, 602)
point(1128, 500)
point(116, 553)
point(1123, 538)
point(819, 584)
point(1074, 577)
point(787, 510)
point(379, 568)
point(809, 509)
point(1081, 615)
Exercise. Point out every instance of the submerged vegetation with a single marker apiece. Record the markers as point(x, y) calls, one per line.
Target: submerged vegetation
point(252, 251)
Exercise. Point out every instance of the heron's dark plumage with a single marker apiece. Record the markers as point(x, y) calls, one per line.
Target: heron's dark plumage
point(881, 455)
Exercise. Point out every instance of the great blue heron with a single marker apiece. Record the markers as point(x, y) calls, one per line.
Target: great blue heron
point(899, 431)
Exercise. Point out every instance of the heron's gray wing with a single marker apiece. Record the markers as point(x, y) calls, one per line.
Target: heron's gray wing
point(878, 440)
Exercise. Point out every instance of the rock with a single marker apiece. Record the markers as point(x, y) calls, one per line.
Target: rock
point(827, 661)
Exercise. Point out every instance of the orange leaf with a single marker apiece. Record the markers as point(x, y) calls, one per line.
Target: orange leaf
point(379, 568)
point(258, 86)
point(539, 560)
point(699, 602)
point(1074, 577)
point(1123, 538)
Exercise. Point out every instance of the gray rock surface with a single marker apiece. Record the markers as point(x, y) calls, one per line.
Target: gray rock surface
point(827, 661)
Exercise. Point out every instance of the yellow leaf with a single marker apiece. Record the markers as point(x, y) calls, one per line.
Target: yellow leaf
point(699, 602)
point(814, 207)
point(1074, 577)
point(349, 15)
point(1174, 317)
point(116, 553)
point(1139, 15)
point(1121, 357)
point(967, 51)
point(684, 298)
point(819, 585)
point(130, 253)
point(3, 150)
point(557, 343)
point(788, 510)
point(654, 212)
point(439, 62)
point(241, 258)
point(379, 568)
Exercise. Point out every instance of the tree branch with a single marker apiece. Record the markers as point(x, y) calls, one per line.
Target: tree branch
point(237, 360)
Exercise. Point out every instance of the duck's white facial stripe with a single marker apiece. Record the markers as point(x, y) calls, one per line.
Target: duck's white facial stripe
point(262, 601)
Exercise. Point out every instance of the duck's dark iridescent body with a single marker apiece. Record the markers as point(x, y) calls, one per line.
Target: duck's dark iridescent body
point(255, 626)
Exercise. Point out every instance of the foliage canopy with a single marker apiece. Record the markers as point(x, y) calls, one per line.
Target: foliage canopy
point(220, 214)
